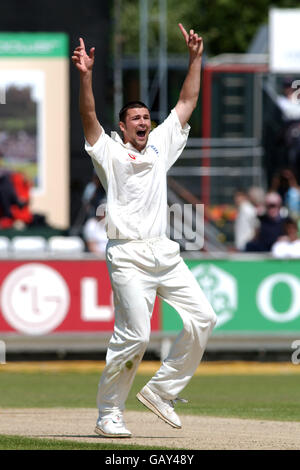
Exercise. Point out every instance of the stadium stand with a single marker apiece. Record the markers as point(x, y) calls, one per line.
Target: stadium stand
point(28, 245)
point(65, 245)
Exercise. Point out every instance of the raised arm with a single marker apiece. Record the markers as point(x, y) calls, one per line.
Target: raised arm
point(84, 63)
point(191, 86)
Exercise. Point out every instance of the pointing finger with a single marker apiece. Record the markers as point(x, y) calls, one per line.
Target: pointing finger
point(184, 33)
point(81, 41)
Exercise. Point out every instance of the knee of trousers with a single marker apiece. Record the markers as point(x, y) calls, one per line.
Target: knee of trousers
point(208, 317)
point(140, 342)
point(211, 317)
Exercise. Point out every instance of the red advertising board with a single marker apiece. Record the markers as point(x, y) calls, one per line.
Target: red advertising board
point(42, 297)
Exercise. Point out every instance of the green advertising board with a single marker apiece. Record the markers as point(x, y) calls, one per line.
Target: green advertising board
point(257, 296)
point(34, 45)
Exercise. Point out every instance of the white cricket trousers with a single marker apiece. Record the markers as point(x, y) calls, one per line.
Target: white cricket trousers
point(140, 270)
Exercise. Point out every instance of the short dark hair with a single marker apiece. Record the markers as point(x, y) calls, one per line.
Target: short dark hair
point(290, 221)
point(130, 105)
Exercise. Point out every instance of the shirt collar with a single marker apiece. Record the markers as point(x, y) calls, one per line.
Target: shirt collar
point(115, 136)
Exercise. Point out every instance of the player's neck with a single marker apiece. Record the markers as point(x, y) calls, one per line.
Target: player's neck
point(135, 145)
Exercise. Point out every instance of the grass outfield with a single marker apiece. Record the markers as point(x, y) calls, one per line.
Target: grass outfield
point(255, 395)
point(28, 443)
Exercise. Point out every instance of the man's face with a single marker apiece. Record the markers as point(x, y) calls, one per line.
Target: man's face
point(273, 209)
point(136, 127)
point(292, 231)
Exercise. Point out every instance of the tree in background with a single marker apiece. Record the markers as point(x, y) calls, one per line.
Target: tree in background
point(226, 25)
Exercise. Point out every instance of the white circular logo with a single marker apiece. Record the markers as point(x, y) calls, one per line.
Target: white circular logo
point(34, 299)
point(264, 297)
point(220, 288)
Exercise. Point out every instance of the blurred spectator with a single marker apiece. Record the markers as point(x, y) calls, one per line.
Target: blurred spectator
point(288, 246)
point(8, 195)
point(14, 199)
point(287, 101)
point(257, 198)
point(286, 185)
point(249, 206)
point(271, 225)
point(92, 195)
point(246, 222)
point(94, 233)
point(290, 107)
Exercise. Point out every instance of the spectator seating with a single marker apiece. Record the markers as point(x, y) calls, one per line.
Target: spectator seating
point(4, 245)
point(28, 245)
point(65, 245)
point(38, 245)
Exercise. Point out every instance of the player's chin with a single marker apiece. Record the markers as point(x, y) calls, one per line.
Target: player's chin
point(144, 136)
point(142, 139)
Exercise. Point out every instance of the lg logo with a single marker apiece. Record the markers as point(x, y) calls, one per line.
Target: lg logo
point(35, 300)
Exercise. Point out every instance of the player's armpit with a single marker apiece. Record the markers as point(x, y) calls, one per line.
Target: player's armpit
point(91, 127)
point(184, 111)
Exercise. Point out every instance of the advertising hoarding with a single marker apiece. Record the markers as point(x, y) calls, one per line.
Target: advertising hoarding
point(257, 296)
point(44, 297)
point(284, 44)
point(34, 118)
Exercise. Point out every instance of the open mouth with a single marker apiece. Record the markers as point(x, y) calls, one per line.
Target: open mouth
point(141, 133)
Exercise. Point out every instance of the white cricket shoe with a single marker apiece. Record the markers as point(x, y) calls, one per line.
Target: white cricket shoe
point(163, 408)
point(112, 426)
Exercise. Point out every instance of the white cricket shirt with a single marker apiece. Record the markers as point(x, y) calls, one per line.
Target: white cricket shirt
point(135, 182)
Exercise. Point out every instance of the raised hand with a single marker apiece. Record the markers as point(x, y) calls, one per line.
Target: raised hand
point(81, 60)
point(193, 41)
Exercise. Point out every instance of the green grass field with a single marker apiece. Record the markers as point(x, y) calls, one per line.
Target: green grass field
point(274, 397)
point(27, 443)
point(264, 397)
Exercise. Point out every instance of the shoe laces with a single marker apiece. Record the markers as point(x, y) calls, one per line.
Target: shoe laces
point(176, 400)
point(119, 419)
point(116, 419)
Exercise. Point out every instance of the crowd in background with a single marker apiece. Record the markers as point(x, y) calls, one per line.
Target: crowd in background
point(266, 221)
point(93, 229)
point(269, 221)
point(14, 200)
